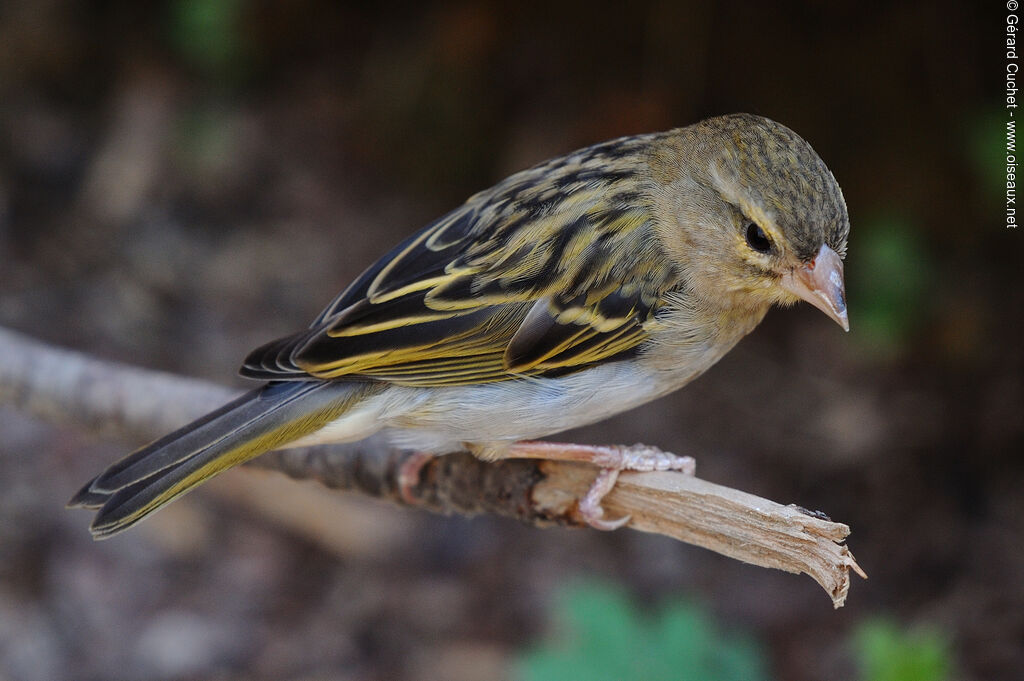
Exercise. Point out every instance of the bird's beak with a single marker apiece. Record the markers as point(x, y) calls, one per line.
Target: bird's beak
point(820, 283)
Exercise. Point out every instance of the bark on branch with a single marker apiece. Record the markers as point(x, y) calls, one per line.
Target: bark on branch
point(111, 398)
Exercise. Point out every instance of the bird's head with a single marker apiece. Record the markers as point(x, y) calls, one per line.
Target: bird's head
point(752, 215)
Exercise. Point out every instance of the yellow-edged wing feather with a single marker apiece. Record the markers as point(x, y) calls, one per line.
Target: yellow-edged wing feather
point(555, 269)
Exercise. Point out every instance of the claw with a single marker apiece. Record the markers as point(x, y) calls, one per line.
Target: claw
point(409, 476)
point(590, 508)
point(607, 525)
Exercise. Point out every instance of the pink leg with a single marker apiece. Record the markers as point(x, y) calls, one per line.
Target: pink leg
point(612, 460)
point(409, 475)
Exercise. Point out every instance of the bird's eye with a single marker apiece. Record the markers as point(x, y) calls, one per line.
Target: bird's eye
point(757, 239)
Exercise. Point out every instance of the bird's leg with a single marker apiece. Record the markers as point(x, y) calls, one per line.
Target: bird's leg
point(611, 459)
point(409, 475)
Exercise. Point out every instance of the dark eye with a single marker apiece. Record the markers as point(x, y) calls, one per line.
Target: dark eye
point(757, 239)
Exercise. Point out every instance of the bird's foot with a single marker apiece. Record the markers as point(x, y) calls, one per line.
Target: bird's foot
point(612, 460)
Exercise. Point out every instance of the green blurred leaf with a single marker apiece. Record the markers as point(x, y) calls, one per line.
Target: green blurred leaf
point(986, 146)
point(207, 33)
point(886, 653)
point(889, 282)
point(690, 640)
point(605, 638)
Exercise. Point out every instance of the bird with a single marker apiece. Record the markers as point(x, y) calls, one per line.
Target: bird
point(587, 285)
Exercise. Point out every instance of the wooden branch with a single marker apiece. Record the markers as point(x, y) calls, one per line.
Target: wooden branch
point(112, 398)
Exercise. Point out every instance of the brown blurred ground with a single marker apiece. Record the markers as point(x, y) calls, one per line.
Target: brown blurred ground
point(181, 181)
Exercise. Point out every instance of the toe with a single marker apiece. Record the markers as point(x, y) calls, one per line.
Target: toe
point(608, 525)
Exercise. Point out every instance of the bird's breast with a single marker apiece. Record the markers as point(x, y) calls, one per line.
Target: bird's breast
point(688, 340)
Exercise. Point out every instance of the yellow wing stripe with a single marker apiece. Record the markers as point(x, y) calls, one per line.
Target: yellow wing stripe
point(580, 236)
point(388, 324)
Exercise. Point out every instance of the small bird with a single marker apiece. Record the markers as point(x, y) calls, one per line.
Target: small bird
point(587, 285)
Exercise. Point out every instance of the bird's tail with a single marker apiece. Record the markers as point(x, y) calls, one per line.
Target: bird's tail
point(261, 420)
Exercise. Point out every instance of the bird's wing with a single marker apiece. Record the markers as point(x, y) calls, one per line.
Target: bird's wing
point(555, 269)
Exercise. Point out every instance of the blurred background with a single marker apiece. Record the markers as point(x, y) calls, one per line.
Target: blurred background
point(183, 180)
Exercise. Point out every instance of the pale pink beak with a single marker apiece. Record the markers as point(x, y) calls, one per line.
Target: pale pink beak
point(820, 283)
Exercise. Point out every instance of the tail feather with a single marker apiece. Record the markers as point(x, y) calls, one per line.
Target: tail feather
point(256, 422)
point(88, 499)
point(185, 439)
point(230, 420)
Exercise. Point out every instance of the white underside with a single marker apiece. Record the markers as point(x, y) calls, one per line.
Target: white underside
point(443, 419)
point(494, 415)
